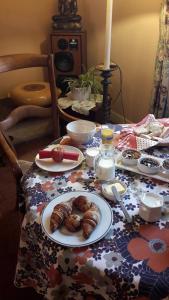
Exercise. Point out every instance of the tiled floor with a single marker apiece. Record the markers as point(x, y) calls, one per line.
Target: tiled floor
point(10, 228)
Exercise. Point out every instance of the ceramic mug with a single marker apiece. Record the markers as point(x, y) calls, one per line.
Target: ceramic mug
point(150, 207)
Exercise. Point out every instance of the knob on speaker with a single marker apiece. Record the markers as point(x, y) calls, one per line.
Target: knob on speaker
point(63, 44)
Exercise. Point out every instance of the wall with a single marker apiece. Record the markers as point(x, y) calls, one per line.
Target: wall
point(25, 27)
point(135, 33)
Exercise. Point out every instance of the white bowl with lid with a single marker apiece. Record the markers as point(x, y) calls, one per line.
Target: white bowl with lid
point(107, 191)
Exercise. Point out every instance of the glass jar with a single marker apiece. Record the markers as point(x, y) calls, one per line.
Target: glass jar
point(105, 163)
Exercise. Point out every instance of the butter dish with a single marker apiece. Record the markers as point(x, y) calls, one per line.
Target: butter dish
point(107, 189)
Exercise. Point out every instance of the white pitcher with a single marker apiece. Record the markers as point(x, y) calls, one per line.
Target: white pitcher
point(150, 207)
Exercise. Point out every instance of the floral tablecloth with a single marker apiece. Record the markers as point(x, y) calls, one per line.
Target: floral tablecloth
point(131, 262)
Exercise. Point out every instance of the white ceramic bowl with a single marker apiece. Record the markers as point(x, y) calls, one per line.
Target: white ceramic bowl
point(81, 131)
point(130, 157)
point(148, 165)
point(107, 192)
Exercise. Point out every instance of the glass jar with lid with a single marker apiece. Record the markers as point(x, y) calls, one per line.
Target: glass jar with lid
point(104, 162)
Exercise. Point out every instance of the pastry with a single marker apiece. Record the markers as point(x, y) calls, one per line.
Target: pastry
point(82, 203)
point(60, 212)
point(73, 222)
point(90, 220)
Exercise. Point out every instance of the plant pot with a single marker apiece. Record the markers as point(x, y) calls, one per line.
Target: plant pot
point(80, 93)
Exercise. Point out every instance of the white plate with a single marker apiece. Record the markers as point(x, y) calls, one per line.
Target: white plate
point(48, 164)
point(69, 239)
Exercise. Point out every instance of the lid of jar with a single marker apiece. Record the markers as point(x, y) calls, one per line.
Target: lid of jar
point(107, 133)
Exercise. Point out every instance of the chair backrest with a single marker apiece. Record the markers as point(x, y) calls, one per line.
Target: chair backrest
point(22, 61)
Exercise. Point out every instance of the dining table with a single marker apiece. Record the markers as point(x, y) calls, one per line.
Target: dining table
point(131, 261)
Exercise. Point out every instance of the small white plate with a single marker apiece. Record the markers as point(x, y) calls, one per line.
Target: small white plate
point(75, 239)
point(48, 164)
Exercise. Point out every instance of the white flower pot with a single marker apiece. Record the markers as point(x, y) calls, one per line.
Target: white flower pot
point(80, 93)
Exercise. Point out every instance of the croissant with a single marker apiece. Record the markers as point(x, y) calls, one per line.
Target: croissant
point(73, 222)
point(90, 220)
point(60, 212)
point(82, 203)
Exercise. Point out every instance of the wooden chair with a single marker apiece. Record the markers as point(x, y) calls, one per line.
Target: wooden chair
point(10, 155)
point(21, 61)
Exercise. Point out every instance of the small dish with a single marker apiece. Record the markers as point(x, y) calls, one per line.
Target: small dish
point(165, 166)
point(148, 165)
point(130, 157)
point(107, 189)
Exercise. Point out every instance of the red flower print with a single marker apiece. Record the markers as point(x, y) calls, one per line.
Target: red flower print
point(82, 254)
point(142, 298)
point(40, 207)
point(97, 185)
point(153, 246)
point(157, 181)
point(55, 174)
point(83, 278)
point(47, 186)
point(55, 278)
point(30, 283)
point(74, 176)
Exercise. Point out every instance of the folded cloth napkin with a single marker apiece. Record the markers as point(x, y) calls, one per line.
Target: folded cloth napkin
point(147, 133)
point(58, 154)
point(83, 107)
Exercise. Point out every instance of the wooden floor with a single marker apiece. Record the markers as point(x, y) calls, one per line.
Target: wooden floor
point(10, 228)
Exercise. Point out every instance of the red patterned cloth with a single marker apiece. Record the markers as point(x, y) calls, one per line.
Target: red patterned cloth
point(139, 137)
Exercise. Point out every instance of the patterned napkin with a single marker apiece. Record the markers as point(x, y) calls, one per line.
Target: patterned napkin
point(147, 133)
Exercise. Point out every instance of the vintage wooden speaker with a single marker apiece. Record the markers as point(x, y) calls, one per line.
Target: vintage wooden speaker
point(70, 52)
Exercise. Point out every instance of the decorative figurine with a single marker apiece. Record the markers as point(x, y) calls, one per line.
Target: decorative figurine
point(67, 18)
point(67, 7)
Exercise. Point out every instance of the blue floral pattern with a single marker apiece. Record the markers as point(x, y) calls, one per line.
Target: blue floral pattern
point(107, 269)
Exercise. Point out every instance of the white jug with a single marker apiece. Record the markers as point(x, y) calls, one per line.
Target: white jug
point(150, 207)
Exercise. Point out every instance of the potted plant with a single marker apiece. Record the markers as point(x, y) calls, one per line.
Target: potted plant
point(86, 84)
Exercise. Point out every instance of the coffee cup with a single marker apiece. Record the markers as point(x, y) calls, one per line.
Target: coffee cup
point(150, 207)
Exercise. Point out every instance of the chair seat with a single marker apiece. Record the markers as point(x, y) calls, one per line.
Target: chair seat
point(25, 165)
point(32, 93)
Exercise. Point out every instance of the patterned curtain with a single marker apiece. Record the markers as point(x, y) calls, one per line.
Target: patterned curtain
point(160, 101)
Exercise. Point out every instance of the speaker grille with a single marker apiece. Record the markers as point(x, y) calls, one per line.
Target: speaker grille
point(64, 61)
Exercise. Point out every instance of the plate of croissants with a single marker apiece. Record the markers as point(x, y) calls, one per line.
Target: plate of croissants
point(77, 219)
